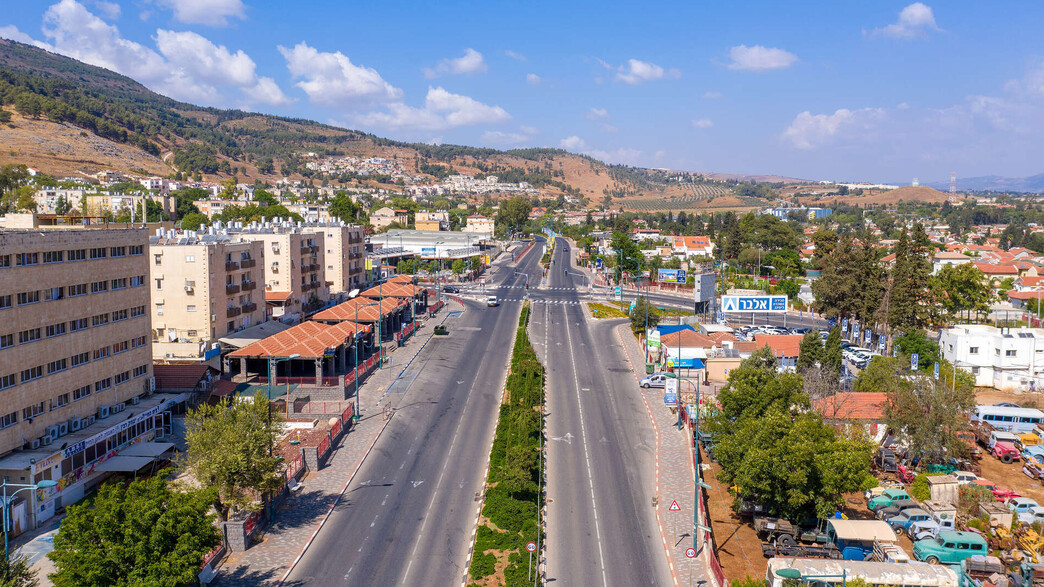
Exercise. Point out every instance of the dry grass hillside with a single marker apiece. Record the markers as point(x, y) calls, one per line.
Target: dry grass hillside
point(903, 194)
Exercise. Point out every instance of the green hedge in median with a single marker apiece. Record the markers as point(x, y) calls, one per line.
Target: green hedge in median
point(512, 488)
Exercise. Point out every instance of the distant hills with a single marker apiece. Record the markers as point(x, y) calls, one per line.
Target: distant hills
point(994, 183)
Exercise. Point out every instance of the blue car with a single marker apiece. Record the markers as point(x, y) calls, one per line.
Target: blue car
point(902, 522)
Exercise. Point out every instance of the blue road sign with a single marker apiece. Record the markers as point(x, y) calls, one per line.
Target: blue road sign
point(869, 334)
point(844, 325)
point(766, 304)
point(913, 361)
point(936, 371)
point(670, 399)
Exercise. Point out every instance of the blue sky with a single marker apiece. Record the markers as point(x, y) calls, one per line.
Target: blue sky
point(880, 91)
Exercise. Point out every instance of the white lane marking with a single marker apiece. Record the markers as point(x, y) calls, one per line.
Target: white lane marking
point(374, 521)
point(587, 455)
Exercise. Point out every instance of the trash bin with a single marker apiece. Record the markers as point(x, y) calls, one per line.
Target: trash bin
point(650, 368)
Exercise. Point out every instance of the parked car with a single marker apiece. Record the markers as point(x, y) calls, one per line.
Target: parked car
point(964, 477)
point(897, 507)
point(886, 498)
point(1000, 493)
point(450, 289)
point(950, 547)
point(927, 529)
point(1026, 509)
point(654, 380)
point(1006, 452)
point(901, 522)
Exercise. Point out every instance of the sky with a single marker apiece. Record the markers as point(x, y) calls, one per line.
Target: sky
point(848, 91)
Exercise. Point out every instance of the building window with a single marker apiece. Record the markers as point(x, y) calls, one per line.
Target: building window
point(1009, 353)
point(80, 393)
point(5, 261)
point(53, 294)
point(120, 347)
point(32, 411)
point(32, 373)
point(99, 286)
point(122, 377)
point(159, 284)
point(80, 359)
point(53, 256)
point(9, 420)
point(77, 255)
point(103, 384)
point(159, 258)
point(98, 253)
point(27, 336)
point(135, 250)
point(100, 320)
point(28, 297)
point(56, 329)
point(7, 381)
point(190, 308)
point(137, 281)
point(118, 252)
point(119, 315)
point(159, 309)
point(137, 311)
point(27, 259)
point(78, 324)
point(231, 326)
point(119, 283)
point(190, 258)
point(973, 350)
point(60, 401)
point(79, 289)
point(5, 301)
point(6, 340)
point(137, 342)
point(141, 370)
point(101, 353)
point(56, 366)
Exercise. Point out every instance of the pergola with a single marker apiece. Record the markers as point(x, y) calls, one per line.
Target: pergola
point(325, 344)
point(403, 291)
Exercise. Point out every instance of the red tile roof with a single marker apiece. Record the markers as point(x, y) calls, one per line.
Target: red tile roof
point(1025, 295)
point(782, 345)
point(366, 311)
point(277, 296)
point(308, 339)
point(392, 290)
point(852, 405)
point(991, 269)
point(179, 377)
point(689, 339)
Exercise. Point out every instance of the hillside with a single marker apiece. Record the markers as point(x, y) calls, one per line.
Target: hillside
point(903, 194)
point(1033, 184)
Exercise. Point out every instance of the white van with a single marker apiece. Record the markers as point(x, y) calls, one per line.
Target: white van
point(492, 301)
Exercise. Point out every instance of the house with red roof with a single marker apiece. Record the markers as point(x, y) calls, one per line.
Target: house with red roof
point(688, 246)
point(863, 409)
point(997, 273)
point(785, 347)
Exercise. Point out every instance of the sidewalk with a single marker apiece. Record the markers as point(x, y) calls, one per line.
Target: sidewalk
point(674, 473)
point(299, 518)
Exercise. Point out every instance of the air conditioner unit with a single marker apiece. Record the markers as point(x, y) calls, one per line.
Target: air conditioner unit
point(91, 420)
point(188, 287)
point(63, 429)
point(121, 406)
point(52, 431)
point(135, 400)
point(152, 384)
point(75, 425)
point(103, 412)
point(85, 422)
point(46, 441)
point(35, 444)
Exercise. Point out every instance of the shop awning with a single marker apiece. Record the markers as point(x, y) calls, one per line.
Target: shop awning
point(124, 464)
point(146, 449)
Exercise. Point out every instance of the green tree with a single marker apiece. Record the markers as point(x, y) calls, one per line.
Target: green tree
point(626, 249)
point(25, 200)
point(62, 206)
point(343, 208)
point(963, 288)
point(810, 352)
point(929, 413)
point(229, 451)
point(909, 301)
point(265, 198)
point(514, 213)
point(146, 533)
point(5, 116)
point(17, 571)
point(638, 315)
point(458, 266)
point(756, 386)
point(832, 351)
point(790, 287)
point(916, 342)
point(194, 221)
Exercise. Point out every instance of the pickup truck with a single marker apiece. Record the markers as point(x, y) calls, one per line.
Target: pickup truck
point(1005, 451)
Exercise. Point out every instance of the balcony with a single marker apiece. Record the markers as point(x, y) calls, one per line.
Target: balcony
point(248, 308)
point(305, 249)
point(248, 285)
point(231, 289)
point(231, 266)
point(233, 311)
point(248, 263)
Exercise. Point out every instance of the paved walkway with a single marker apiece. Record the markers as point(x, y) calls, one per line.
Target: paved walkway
point(300, 516)
point(674, 471)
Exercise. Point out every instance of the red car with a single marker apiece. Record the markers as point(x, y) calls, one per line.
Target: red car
point(1006, 452)
point(1000, 493)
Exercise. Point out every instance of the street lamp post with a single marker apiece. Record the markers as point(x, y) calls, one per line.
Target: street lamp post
point(22, 487)
point(355, 347)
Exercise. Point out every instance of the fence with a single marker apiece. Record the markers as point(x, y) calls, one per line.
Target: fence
point(294, 468)
point(348, 413)
point(311, 381)
point(323, 448)
point(250, 524)
point(335, 430)
point(712, 557)
point(321, 407)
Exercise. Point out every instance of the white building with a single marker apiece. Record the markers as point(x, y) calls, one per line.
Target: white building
point(1004, 358)
point(944, 258)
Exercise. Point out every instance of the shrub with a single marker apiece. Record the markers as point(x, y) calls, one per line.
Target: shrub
point(482, 565)
point(919, 490)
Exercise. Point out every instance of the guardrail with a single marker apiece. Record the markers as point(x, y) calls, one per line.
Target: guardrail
point(309, 381)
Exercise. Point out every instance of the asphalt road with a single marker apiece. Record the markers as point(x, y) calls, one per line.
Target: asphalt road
point(410, 512)
point(601, 526)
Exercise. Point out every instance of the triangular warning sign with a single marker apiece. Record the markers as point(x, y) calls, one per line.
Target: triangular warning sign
point(674, 506)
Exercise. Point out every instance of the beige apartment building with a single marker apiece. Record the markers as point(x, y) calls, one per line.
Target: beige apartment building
point(294, 268)
point(345, 256)
point(203, 287)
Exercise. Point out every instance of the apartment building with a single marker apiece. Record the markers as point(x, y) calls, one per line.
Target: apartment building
point(203, 287)
point(294, 268)
point(1004, 358)
point(345, 255)
point(479, 223)
point(383, 217)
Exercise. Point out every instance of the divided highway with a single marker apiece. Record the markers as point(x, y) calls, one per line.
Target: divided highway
point(409, 514)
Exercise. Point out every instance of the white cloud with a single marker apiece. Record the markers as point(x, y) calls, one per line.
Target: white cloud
point(573, 143)
point(331, 79)
point(597, 114)
point(11, 32)
point(916, 20)
point(529, 130)
point(497, 137)
point(635, 72)
point(533, 79)
point(809, 131)
point(442, 110)
point(471, 62)
point(109, 10)
point(208, 12)
point(515, 55)
point(758, 58)
point(712, 95)
point(702, 123)
point(186, 66)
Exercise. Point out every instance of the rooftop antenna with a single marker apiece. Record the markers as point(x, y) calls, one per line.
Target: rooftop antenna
point(953, 187)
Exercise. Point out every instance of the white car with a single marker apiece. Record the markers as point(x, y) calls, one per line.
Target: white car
point(964, 477)
point(492, 301)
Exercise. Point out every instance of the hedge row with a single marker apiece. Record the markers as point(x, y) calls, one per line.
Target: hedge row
point(513, 492)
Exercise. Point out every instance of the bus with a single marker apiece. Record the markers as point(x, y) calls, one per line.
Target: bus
point(1014, 419)
point(820, 572)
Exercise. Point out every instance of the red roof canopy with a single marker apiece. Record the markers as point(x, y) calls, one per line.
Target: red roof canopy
point(367, 310)
point(310, 340)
